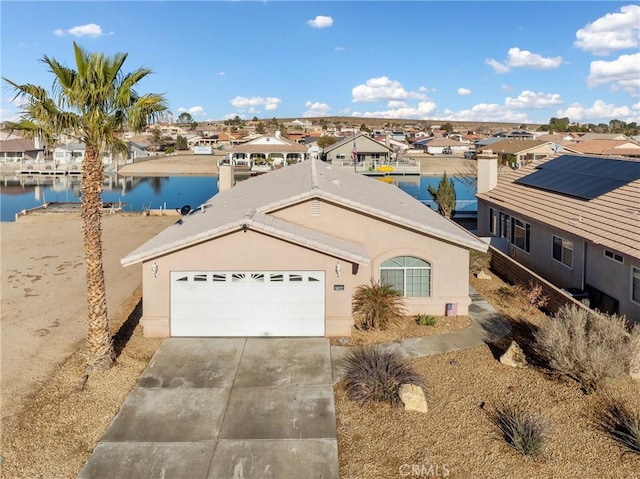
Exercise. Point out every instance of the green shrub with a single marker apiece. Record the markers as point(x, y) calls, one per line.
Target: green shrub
point(592, 348)
point(479, 261)
point(426, 320)
point(373, 374)
point(618, 421)
point(374, 305)
point(523, 431)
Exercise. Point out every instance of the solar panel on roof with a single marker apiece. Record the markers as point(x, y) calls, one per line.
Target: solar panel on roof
point(582, 177)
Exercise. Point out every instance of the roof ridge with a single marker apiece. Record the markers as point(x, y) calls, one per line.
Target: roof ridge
point(315, 185)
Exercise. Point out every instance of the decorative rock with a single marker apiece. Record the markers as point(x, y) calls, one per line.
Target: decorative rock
point(413, 398)
point(634, 369)
point(482, 275)
point(514, 356)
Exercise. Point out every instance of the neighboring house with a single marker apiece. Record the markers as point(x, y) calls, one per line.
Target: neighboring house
point(575, 220)
point(606, 147)
point(519, 151)
point(275, 150)
point(282, 254)
point(366, 148)
point(73, 154)
point(440, 144)
point(136, 150)
point(20, 150)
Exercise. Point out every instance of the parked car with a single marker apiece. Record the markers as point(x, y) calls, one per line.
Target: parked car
point(446, 150)
point(470, 155)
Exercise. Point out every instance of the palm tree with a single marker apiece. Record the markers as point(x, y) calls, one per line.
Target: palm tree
point(93, 104)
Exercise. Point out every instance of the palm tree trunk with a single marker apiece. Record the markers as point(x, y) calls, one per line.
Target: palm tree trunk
point(99, 352)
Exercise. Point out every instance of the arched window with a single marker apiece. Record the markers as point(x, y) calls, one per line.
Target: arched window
point(408, 274)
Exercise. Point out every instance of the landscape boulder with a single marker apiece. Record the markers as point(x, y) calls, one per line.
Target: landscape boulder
point(482, 275)
point(413, 398)
point(514, 356)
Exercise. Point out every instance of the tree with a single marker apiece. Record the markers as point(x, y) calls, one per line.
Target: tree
point(181, 143)
point(444, 195)
point(325, 141)
point(185, 118)
point(260, 129)
point(448, 127)
point(92, 104)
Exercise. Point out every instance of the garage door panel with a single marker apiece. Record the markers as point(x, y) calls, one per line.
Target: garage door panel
point(269, 303)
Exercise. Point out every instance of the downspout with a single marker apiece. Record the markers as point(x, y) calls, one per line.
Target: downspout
point(583, 273)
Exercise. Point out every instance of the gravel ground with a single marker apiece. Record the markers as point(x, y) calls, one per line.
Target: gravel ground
point(456, 438)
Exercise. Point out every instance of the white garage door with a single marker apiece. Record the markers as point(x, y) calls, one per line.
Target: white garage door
point(242, 303)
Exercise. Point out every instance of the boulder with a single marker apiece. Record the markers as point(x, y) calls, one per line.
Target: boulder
point(483, 275)
point(413, 398)
point(514, 356)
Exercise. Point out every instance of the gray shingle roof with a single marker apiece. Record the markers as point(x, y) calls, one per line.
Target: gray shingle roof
point(251, 201)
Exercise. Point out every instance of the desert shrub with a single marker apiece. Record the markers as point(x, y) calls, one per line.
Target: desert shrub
point(373, 374)
point(592, 348)
point(426, 320)
point(620, 422)
point(374, 305)
point(507, 292)
point(523, 431)
point(479, 261)
point(534, 296)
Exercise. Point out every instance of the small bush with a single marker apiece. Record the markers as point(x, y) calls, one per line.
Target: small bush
point(592, 348)
point(534, 296)
point(375, 375)
point(523, 431)
point(426, 320)
point(479, 261)
point(507, 292)
point(374, 305)
point(618, 421)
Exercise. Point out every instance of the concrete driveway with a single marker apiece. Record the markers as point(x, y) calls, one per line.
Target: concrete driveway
point(236, 408)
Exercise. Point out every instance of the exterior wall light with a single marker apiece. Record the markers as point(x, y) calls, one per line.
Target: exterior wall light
point(154, 269)
point(338, 269)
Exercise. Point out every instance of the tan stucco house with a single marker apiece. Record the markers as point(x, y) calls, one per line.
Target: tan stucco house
point(281, 254)
point(573, 219)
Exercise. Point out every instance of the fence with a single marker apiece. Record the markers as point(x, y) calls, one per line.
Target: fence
point(515, 273)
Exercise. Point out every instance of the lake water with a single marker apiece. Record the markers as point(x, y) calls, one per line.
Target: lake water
point(139, 193)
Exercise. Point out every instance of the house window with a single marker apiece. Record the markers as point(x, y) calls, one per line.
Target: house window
point(521, 234)
point(504, 226)
point(408, 274)
point(340, 156)
point(614, 256)
point(375, 156)
point(563, 251)
point(493, 221)
point(635, 284)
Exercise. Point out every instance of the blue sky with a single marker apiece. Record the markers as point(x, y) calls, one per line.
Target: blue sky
point(513, 61)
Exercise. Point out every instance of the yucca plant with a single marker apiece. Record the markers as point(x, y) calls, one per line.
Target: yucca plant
point(373, 374)
point(374, 305)
point(620, 422)
point(523, 431)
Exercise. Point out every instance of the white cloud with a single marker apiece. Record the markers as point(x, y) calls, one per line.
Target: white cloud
point(464, 91)
point(396, 104)
point(320, 21)
point(269, 103)
point(194, 110)
point(382, 89)
point(517, 58)
point(622, 74)
point(423, 111)
point(614, 31)
point(497, 66)
point(487, 112)
point(316, 109)
point(89, 30)
point(532, 100)
point(222, 74)
point(600, 111)
point(340, 49)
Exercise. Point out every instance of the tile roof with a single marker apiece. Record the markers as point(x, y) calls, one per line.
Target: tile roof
point(16, 145)
point(514, 146)
point(251, 201)
point(607, 147)
point(611, 219)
